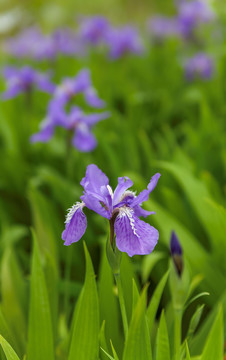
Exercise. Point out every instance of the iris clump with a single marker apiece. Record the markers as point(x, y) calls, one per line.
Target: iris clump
point(199, 66)
point(122, 208)
point(75, 121)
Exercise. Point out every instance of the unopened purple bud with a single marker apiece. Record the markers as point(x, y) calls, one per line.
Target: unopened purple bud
point(176, 253)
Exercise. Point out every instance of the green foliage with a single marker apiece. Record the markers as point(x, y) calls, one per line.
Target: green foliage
point(8, 350)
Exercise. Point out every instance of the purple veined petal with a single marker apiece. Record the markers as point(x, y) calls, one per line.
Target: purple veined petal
point(44, 135)
point(94, 179)
point(76, 224)
point(144, 195)
point(134, 236)
point(83, 139)
point(124, 183)
point(92, 119)
point(92, 98)
point(94, 204)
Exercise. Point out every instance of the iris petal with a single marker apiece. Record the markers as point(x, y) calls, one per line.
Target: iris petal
point(76, 224)
point(134, 236)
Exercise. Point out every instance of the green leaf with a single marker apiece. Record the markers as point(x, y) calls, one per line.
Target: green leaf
point(188, 357)
point(8, 350)
point(149, 262)
point(40, 334)
point(113, 351)
point(155, 300)
point(135, 295)
point(85, 337)
point(196, 297)
point(137, 346)
point(162, 341)
point(108, 300)
point(195, 320)
point(103, 344)
point(213, 349)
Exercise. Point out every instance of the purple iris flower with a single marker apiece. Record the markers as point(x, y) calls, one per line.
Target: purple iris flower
point(23, 80)
point(122, 208)
point(200, 65)
point(161, 27)
point(79, 84)
point(193, 13)
point(93, 29)
point(123, 40)
point(76, 121)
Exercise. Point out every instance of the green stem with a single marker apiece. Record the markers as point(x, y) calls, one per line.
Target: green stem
point(122, 303)
point(177, 333)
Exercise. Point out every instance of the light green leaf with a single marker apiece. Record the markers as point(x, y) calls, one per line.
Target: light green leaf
point(135, 295)
point(102, 339)
point(40, 334)
point(85, 336)
point(213, 349)
point(195, 320)
point(196, 297)
point(137, 346)
point(8, 350)
point(188, 357)
point(162, 341)
point(113, 351)
point(155, 300)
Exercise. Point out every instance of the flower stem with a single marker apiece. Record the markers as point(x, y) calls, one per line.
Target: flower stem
point(177, 333)
point(122, 303)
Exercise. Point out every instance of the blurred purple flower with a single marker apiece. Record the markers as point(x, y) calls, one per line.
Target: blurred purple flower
point(32, 43)
point(93, 29)
point(24, 80)
point(161, 27)
point(200, 65)
point(81, 83)
point(123, 40)
point(122, 208)
point(76, 121)
point(192, 13)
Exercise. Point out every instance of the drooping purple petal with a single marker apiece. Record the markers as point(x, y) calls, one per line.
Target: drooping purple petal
point(92, 119)
point(44, 83)
point(97, 205)
point(139, 211)
point(134, 236)
point(92, 98)
point(83, 139)
point(76, 224)
point(144, 195)
point(44, 135)
point(124, 183)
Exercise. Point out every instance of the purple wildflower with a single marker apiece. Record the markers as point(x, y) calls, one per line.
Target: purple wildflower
point(93, 29)
point(76, 121)
point(161, 27)
point(123, 40)
point(23, 80)
point(122, 208)
point(200, 66)
point(79, 84)
point(193, 13)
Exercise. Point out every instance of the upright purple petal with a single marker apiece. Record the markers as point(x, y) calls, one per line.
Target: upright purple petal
point(76, 224)
point(134, 236)
point(124, 183)
point(94, 179)
point(144, 195)
point(44, 135)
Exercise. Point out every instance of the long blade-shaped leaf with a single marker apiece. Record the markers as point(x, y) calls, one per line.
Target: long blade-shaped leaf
point(85, 336)
point(163, 349)
point(8, 350)
point(154, 302)
point(213, 349)
point(40, 335)
point(137, 346)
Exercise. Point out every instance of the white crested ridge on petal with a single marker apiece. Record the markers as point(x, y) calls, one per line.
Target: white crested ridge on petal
point(134, 236)
point(72, 210)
